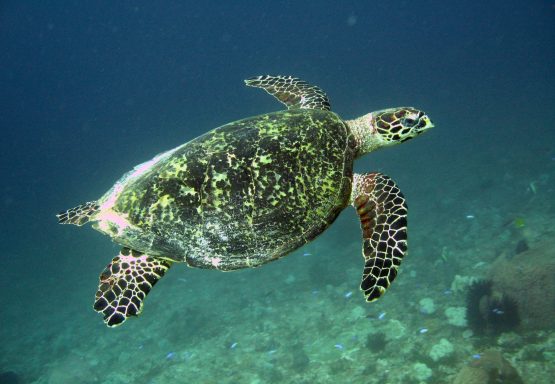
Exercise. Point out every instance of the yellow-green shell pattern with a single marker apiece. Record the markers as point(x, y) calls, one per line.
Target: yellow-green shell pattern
point(245, 193)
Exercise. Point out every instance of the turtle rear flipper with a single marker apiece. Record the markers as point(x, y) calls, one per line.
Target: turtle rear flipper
point(124, 284)
point(79, 215)
point(383, 216)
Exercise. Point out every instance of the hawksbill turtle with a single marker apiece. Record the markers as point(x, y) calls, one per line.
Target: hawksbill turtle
point(250, 192)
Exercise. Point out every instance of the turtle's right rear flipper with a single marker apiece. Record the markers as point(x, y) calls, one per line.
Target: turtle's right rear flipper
point(78, 215)
point(124, 284)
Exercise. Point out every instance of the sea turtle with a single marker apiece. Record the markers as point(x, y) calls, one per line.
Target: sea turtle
point(250, 192)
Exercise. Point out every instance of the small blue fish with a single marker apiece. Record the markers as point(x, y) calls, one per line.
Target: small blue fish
point(170, 356)
point(307, 254)
point(233, 345)
point(423, 330)
point(338, 346)
point(381, 315)
point(348, 294)
point(477, 356)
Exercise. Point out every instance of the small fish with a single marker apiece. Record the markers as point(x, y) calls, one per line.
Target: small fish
point(447, 292)
point(533, 187)
point(423, 330)
point(381, 315)
point(338, 346)
point(307, 254)
point(477, 356)
point(170, 356)
point(272, 351)
point(470, 217)
point(348, 294)
point(233, 345)
point(478, 265)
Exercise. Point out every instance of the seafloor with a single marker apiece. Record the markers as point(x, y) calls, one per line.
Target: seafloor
point(302, 319)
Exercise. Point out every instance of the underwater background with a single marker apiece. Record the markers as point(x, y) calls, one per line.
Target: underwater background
point(90, 89)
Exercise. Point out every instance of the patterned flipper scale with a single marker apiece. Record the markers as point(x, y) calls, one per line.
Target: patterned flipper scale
point(291, 91)
point(383, 216)
point(124, 284)
point(79, 215)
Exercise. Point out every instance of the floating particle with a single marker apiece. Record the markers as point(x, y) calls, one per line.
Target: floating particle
point(351, 20)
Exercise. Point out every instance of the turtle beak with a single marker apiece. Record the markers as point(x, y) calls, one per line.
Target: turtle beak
point(427, 123)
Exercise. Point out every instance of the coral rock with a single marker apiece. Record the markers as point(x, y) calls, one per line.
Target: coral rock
point(527, 278)
point(490, 368)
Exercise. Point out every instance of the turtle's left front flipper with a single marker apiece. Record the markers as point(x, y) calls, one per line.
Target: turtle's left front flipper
point(124, 284)
point(383, 216)
point(292, 91)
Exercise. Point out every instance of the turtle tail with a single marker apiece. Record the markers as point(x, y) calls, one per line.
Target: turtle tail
point(79, 215)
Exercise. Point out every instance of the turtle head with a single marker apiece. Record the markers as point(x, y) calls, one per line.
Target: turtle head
point(388, 127)
point(396, 125)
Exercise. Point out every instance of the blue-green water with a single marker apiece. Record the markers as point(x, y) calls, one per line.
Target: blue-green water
point(88, 90)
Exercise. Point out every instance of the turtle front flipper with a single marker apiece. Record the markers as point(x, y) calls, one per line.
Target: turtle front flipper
point(383, 216)
point(79, 215)
point(124, 284)
point(291, 91)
